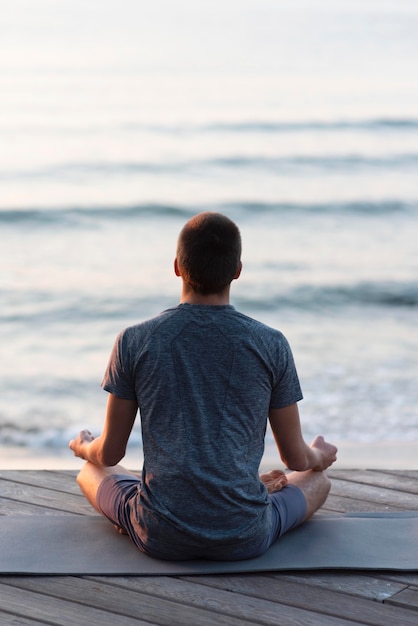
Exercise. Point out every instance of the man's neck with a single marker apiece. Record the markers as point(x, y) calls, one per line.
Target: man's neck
point(189, 296)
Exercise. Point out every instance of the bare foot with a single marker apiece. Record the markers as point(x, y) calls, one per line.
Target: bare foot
point(120, 530)
point(274, 480)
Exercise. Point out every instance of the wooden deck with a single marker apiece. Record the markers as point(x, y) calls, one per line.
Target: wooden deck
point(320, 598)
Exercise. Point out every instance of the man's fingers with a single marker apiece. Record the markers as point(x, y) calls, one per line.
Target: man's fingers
point(272, 475)
point(274, 480)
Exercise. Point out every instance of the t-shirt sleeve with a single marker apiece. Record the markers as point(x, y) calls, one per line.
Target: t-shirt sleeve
point(118, 378)
point(286, 389)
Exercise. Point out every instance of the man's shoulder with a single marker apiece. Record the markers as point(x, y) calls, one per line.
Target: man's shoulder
point(147, 326)
point(257, 326)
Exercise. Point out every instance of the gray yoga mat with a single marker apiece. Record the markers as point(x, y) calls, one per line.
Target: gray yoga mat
point(89, 545)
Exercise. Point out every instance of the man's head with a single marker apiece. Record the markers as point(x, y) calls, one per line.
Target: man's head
point(209, 253)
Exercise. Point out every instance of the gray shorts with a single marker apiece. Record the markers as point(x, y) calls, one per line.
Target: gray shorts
point(117, 494)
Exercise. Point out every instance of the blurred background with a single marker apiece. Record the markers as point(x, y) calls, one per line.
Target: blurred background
point(121, 119)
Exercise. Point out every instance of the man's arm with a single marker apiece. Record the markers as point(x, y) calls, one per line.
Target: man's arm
point(110, 447)
point(294, 451)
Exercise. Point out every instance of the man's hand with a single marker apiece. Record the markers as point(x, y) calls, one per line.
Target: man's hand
point(274, 480)
point(326, 452)
point(78, 445)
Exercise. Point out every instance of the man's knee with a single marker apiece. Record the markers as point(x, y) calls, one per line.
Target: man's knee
point(318, 495)
point(89, 479)
point(80, 478)
point(315, 486)
point(83, 476)
point(325, 483)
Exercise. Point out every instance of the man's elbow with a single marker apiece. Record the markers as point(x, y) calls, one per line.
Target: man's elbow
point(296, 463)
point(109, 458)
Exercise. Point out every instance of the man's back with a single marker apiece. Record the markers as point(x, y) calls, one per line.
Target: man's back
point(204, 378)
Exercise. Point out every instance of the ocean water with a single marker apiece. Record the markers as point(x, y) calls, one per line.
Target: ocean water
point(120, 120)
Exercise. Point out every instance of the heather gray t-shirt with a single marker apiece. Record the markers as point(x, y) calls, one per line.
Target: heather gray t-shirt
point(204, 378)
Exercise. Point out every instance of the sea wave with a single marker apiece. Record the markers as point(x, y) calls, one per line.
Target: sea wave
point(322, 297)
point(373, 124)
point(36, 435)
point(76, 215)
point(249, 126)
point(43, 308)
point(288, 164)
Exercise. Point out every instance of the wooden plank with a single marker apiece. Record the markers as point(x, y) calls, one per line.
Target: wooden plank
point(59, 612)
point(402, 473)
point(54, 500)
point(8, 619)
point(324, 601)
point(171, 601)
point(377, 479)
point(347, 504)
point(57, 481)
point(354, 584)
point(14, 507)
point(123, 602)
point(407, 598)
point(408, 578)
point(376, 495)
point(190, 592)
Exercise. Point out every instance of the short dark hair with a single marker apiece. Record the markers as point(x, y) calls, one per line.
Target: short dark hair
point(209, 252)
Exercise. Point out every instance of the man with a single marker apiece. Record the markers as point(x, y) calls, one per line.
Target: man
point(205, 378)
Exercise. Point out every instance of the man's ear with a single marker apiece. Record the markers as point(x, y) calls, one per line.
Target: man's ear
point(238, 272)
point(176, 267)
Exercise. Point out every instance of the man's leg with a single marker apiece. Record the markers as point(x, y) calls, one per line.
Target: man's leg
point(315, 486)
point(293, 501)
point(91, 477)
